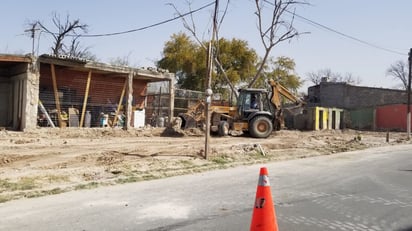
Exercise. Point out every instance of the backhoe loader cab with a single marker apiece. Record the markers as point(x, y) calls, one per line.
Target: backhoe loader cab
point(255, 113)
point(252, 100)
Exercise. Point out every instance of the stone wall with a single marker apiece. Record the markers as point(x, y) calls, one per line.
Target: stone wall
point(31, 98)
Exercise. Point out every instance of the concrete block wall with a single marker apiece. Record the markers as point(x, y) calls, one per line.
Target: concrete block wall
point(342, 95)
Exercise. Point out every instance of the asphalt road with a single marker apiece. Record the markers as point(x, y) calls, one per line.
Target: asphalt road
point(365, 190)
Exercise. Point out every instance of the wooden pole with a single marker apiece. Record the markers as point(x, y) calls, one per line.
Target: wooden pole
point(46, 114)
point(408, 116)
point(159, 103)
point(86, 95)
point(56, 95)
point(129, 102)
point(171, 101)
point(120, 103)
point(209, 80)
point(208, 100)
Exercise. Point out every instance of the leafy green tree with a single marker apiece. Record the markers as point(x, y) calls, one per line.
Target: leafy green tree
point(238, 60)
point(188, 60)
point(182, 56)
point(283, 71)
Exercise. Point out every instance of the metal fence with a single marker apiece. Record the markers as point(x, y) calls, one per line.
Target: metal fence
point(158, 102)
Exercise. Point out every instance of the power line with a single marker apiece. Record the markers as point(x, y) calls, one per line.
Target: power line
point(348, 36)
point(313, 23)
point(150, 26)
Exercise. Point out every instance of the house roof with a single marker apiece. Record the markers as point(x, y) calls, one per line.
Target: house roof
point(15, 58)
point(347, 85)
point(81, 64)
point(9, 59)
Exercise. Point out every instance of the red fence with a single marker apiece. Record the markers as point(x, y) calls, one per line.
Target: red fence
point(391, 117)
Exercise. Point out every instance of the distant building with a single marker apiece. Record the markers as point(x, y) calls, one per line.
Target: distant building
point(366, 108)
point(343, 95)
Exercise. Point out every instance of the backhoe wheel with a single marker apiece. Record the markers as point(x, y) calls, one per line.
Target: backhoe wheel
point(223, 129)
point(260, 127)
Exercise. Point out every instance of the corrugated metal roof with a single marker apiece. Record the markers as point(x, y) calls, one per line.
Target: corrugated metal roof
point(150, 73)
point(65, 57)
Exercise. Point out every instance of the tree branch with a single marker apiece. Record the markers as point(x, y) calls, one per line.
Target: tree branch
point(64, 29)
point(192, 30)
point(272, 34)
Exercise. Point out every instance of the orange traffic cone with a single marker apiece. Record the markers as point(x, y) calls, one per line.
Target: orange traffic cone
point(264, 216)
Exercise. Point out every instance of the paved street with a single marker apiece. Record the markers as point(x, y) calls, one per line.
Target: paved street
point(363, 190)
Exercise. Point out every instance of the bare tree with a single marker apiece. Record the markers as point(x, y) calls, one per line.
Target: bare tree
point(121, 61)
point(66, 29)
point(346, 78)
point(316, 77)
point(277, 29)
point(399, 71)
point(76, 50)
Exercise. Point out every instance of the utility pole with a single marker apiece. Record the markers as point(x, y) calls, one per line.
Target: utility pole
point(208, 81)
point(208, 94)
point(32, 30)
point(408, 119)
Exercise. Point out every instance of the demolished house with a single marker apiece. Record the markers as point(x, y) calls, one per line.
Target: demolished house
point(62, 91)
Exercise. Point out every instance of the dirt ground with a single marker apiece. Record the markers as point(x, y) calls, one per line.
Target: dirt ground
point(51, 160)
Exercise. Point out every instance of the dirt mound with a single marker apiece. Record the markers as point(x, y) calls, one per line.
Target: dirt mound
point(177, 132)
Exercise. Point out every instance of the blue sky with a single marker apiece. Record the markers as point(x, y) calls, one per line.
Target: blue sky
point(383, 23)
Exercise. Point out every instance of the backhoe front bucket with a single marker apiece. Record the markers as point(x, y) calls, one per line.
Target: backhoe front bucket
point(194, 117)
point(189, 121)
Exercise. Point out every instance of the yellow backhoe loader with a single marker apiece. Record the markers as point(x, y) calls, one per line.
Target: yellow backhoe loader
point(258, 112)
